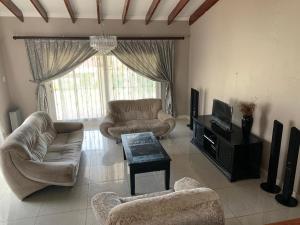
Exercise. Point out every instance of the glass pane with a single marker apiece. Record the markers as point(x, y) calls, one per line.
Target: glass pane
point(83, 93)
point(126, 84)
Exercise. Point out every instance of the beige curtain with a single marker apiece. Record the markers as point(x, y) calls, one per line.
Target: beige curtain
point(50, 59)
point(153, 59)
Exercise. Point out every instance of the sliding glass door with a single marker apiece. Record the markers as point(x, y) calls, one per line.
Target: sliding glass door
point(84, 92)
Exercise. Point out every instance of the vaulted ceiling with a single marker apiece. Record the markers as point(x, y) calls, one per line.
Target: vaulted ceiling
point(168, 10)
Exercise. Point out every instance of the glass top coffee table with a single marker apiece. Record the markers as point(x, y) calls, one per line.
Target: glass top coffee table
point(144, 153)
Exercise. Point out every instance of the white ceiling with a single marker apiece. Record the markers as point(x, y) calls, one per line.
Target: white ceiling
point(111, 9)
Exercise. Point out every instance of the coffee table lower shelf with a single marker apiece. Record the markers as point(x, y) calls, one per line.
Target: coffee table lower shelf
point(149, 167)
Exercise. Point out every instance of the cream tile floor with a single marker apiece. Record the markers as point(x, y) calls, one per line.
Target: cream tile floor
point(103, 169)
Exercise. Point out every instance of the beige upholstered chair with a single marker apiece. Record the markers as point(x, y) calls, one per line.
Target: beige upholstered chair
point(41, 153)
point(133, 116)
point(187, 204)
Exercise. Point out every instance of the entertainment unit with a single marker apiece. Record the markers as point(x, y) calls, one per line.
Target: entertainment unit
point(236, 157)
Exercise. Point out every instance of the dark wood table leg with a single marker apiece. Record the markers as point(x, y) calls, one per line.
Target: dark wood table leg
point(167, 177)
point(124, 155)
point(132, 181)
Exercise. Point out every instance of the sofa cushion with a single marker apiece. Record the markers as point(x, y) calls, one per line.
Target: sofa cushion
point(135, 126)
point(68, 154)
point(67, 164)
point(33, 136)
point(125, 110)
point(65, 148)
point(39, 148)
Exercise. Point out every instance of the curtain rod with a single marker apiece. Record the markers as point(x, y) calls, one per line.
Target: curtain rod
point(87, 38)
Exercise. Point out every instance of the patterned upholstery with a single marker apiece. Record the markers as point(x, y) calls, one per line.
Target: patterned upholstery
point(191, 205)
point(41, 153)
point(133, 116)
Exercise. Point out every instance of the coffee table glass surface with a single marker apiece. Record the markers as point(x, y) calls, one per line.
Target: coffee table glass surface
point(143, 147)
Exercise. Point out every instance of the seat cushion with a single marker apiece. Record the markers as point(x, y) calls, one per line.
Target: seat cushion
point(66, 148)
point(135, 126)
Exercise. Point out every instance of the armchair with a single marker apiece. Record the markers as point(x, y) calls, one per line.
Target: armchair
point(188, 204)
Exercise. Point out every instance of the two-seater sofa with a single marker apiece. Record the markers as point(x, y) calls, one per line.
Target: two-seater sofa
point(41, 153)
point(133, 116)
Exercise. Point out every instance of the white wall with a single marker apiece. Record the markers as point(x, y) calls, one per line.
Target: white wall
point(4, 103)
point(249, 50)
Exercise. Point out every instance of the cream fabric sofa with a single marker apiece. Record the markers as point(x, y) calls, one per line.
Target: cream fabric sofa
point(187, 204)
point(133, 116)
point(41, 153)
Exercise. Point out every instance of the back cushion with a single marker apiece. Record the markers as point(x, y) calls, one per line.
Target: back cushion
point(34, 135)
point(125, 110)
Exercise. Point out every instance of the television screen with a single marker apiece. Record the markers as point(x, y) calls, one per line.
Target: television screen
point(222, 114)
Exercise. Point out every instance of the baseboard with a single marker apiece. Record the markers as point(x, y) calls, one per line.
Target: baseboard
point(186, 117)
point(263, 173)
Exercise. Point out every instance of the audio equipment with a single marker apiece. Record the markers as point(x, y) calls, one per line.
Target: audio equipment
point(194, 105)
point(285, 198)
point(270, 185)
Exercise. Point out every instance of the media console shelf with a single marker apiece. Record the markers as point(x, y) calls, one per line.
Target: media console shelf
point(236, 157)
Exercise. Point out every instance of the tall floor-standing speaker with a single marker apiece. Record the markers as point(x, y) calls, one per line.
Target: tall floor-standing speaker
point(270, 185)
point(285, 197)
point(194, 106)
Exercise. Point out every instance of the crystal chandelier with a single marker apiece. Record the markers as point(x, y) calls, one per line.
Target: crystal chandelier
point(103, 44)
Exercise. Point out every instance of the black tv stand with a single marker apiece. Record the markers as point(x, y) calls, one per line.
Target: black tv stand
point(237, 157)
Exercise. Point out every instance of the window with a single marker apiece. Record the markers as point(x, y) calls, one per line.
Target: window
point(83, 93)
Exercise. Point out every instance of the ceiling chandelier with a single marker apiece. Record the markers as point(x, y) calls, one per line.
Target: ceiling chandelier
point(104, 44)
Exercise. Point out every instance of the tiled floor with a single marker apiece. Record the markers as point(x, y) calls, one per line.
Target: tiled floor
point(103, 169)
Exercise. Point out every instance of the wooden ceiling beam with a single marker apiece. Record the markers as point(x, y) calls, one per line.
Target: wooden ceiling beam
point(180, 5)
point(98, 3)
point(125, 10)
point(38, 6)
point(13, 8)
point(201, 10)
point(70, 10)
point(151, 10)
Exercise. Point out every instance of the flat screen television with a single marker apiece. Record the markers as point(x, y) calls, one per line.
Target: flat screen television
point(222, 114)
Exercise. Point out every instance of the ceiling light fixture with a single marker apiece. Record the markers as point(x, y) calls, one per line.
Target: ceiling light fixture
point(104, 44)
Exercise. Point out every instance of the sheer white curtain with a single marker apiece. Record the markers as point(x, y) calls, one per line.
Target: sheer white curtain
point(83, 93)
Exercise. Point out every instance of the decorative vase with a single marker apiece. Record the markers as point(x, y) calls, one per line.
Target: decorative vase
point(247, 122)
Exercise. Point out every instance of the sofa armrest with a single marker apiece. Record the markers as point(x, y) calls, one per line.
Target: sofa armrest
point(167, 118)
point(186, 183)
point(47, 172)
point(103, 203)
point(106, 123)
point(198, 206)
point(67, 127)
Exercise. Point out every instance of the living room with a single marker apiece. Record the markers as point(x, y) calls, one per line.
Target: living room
point(231, 50)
